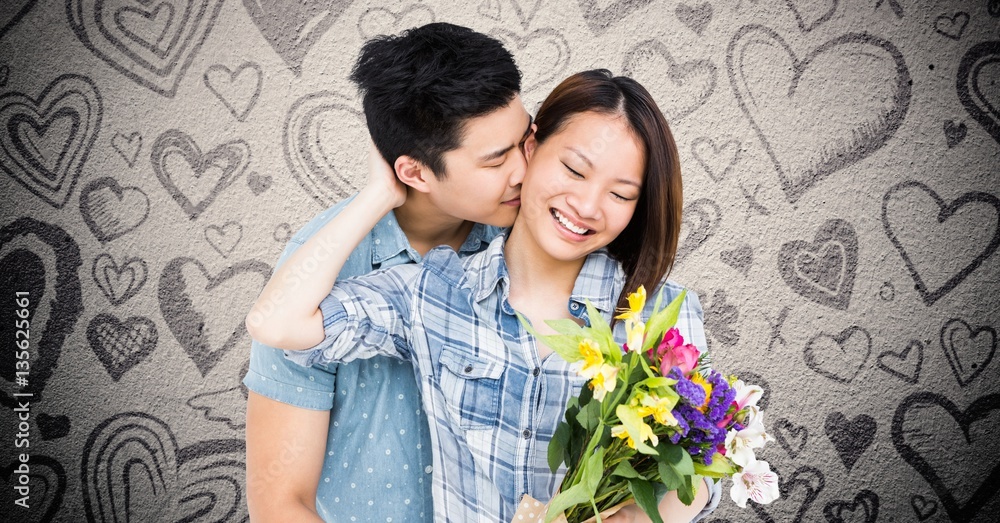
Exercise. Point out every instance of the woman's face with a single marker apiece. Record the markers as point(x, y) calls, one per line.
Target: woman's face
point(581, 185)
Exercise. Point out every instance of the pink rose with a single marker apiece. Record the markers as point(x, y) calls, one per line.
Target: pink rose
point(674, 353)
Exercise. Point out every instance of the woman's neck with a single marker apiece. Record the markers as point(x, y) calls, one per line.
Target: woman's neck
point(533, 273)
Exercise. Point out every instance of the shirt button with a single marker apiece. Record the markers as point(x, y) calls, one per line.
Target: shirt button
point(377, 241)
point(574, 306)
point(468, 369)
point(526, 433)
point(536, 371)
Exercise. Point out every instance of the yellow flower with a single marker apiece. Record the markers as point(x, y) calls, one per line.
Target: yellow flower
point(660, 408)
point(645, 433)
point(698, 380)
point(636, 302)
point(592, 358)
point(604, 381)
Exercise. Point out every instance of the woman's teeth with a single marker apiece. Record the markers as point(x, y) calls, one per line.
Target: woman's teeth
point(567, 224)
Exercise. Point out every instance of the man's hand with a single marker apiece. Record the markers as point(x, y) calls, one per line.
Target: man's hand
point(382, 177)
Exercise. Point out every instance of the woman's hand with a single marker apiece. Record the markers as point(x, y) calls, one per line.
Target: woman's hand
point(382, 177)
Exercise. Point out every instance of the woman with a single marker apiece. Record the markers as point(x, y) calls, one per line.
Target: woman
point(600, 215)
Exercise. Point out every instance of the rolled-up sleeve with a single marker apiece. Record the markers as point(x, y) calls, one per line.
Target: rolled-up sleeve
point(364, 317)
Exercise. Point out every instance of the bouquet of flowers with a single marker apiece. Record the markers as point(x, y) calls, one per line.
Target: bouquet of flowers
point(651, 417)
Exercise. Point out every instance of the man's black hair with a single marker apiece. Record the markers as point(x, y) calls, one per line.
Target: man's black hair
point(419, 87)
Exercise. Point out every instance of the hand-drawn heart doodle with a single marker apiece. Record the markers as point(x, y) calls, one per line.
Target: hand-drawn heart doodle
point(224, 239)
point(119, 283)
point(315, 123)
point(923, 507)
point(381, 21)
point(822, 271)
point(954, 450)
point(46, 141)
point(795, 105)
point(720, 323)
point(292, 27)
point(904, 365)
point(121, 345)
point(969, 350)
point(699, 222)
point(979, 85)
point(186, 290)
point(952, 26)
point(679, 88)
point(490, 9)
point(695, 18)
point(716, 160)
point(201, 482)
point(525, 10)
point(852, 437)
point(811, 16)
point(192, 178)
point(13, 12)
point(839, 357)
point(127, 146)
point(807, 479)
point(258, 183)
point(739, 258)
point(866, 500)
point(150, 43)
point(223, 406)
point(46, 487)
point(940, 243)
point(543, 54)
point(110, 210)
point(53, 427)
point(599, 15)
point(790, 436)
point(954, 133)
point(238, 90)
point(44, 261)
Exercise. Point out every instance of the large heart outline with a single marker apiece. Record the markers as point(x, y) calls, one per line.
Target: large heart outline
point(52, 179)
point(972, 96)
point(65, 305)
point(231, 158)
point(945, 211)
point(965, 374)
point(806, 23)
point(110, 210)
point(599, 19)
point(233, 90)
point(121, 345)
point(979, 409)
point(679, 74)
point(315, 168)
point(13, 17)
point(382, 21)
point(843, 370)
point(816, 159)
point(156, 67)
point(293, 27)
point(203, 481)
point(813, 280)
point(45, 496)
point(805, 477)
point(519, 46)
point(186, 322)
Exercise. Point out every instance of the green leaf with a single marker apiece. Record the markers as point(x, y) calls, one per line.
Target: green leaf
point(644, 496)
point(568, 347)
point(688, 490)
point(557, 447)
point(721, 467)
point(632, 422)
point(566, 327)
point(658, 382)
point(572, 496)
point(626, 470)
point(661, 321)
point(601, 333)
point(590, 416)
point(594, 471)
point(669, 476)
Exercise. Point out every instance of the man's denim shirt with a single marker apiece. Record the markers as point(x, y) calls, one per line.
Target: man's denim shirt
point(378, 460)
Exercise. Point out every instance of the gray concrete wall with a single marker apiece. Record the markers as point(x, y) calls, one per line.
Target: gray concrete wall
point(842, 220)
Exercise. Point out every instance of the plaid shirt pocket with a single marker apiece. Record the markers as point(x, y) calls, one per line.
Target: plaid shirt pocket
point(471, 386)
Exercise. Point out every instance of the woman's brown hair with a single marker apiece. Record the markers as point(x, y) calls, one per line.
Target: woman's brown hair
point(647, 246)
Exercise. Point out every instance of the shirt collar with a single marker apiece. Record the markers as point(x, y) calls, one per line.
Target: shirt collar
point(387, 241)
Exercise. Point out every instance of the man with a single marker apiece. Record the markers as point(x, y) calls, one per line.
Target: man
point(443, 108)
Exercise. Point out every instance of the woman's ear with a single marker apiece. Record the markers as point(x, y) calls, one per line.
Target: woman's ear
point(530, 143)
point(413, 172)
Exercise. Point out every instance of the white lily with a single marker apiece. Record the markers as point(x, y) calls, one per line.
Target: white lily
point(747, 395)
point(740, 444)
point(757, 482)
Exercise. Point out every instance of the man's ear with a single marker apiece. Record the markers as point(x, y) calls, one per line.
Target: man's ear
point(530, 143)
point(413, 172)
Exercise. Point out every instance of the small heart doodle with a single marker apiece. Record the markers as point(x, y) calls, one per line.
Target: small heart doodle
point(42, 496)
point(720, 323)
point(110, 210)
point(952, 26)
point(953, 449)
point(851, 437)
point(978, 78)
point(121, 345)
point(224, 239)
point(700, 221)
point(809, 16)
point(127, 146)
point(44, 261)
point(53, 427)
point(382, 21)
point(716, 160)
point(696, 18)
point(807, 480)
point(600, 15)
point(797, 115)
point(739, 258)
point(293, 27)
point(940, 243)
point(840, 511)
point(839, 357)
point(924, 508)
point(823, 271)
point(968, 350)
point(790, 436)
point(258, 183)
point(679, 88)
point(152, 46)
point(238, 90)
point(954, 133)
point(202, 482)
point(47, 140)
point(207, 333)
point(194, 179)
point(119, 283)
point(906, 364)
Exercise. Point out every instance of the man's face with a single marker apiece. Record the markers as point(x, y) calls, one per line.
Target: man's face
point(483, 180)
